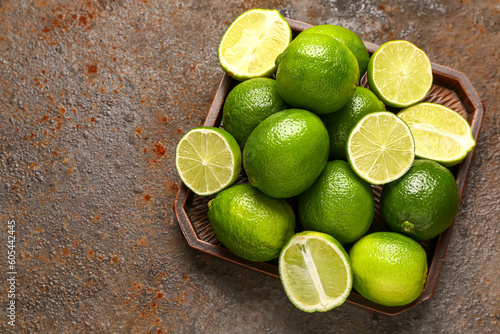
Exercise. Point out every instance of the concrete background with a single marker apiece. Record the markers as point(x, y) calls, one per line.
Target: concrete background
point(94, 96)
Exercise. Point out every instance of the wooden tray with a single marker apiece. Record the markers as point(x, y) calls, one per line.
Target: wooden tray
point(451, 88)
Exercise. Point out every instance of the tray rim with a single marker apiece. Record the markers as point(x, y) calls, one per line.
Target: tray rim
point(449, 78)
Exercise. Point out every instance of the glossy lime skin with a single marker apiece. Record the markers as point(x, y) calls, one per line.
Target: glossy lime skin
point(285, 153)
point(317, 73)
point(389, 268)
point(340, 123)
point(248, 104)
point(339, 203)
point(423, 202)
point(251, 224)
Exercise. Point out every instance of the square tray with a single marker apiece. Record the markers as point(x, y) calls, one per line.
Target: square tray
point(450, 88)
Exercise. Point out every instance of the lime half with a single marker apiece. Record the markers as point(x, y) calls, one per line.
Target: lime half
point(440, 133)
point(400, 74)
point(380, 148)
point(208, 160)
point(252, 42)
point(315, 271)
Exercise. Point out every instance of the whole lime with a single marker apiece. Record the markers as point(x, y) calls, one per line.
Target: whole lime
point(340, 123)
point(251, 224)
point(347, 37)
point(339, 203)
point(286, 152)
point(423, 202)
point(389, 268)
point(317, 73)
point(248, 104)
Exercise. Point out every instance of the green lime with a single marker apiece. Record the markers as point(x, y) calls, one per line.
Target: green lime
point(317, 73)
point(248, 104)
point(389, 268)
point(252, 42)
point(423, 203)
point(208, 160)
point(440, 133)
point(400, 74)
point(340, 123)
point(315, 272)
point(380, 148)
point(286, 152)
point(339, 203)
point(251, 224)
point(347, 37)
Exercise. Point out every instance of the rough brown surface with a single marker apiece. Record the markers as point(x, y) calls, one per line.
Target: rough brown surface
point(94, 96)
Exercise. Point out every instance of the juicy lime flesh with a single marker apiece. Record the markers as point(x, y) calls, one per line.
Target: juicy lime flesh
point(401, 73)
point(206, 161)
point(251, 44)
point(440, 133)
point(315, 273)
point(380, 148)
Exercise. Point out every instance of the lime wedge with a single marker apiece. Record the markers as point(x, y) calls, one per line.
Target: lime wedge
point(400, 74)
point(380, 148)
point(208, 160)
point(440, 133)
point(315, 271)
point(252, 42)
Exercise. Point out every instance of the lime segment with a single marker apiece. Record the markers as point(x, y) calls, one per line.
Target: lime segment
point(440, 133)
point(315, 272)
point(208, 160)
point(252, 42)
point(380, 148)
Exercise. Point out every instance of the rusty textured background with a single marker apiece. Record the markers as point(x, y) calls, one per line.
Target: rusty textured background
point(94, 96)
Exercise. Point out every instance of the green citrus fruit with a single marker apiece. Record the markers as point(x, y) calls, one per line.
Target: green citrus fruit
point(315, 272)
point(339, 203)
point(248, 104)
point(340, 123)
point(347, 37)
point(440, 133)
point(286, 152)
point(389, 268)
point(317, 73)
point(208, 160)
point(251, 224)
point(423, 203)
point(252, 42)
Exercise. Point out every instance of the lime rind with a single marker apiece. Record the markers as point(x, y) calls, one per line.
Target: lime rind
point(208, 160)
point(315, 272)
point(252, 43)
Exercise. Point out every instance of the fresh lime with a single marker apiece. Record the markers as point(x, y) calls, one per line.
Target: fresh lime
point(380, 148)
point(315, 272)
point(340, 123)
point(251, 224)
point(400, 74)
point(286, 153)
point(389, 268)
point(252, 42)
point(317, 73)
point(248, 104)
point(347, 37)
point(423, 203)
point(339, 203)
point(208, 160)
point(440, 133)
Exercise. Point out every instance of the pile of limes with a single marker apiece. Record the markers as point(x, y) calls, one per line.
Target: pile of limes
point(312, 143)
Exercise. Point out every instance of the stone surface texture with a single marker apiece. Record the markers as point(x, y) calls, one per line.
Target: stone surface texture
point(95, 94)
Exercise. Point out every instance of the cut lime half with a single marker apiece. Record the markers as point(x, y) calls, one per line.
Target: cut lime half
point(400, 74)
point(252, 42)
point(380, 148)
point(315, 271)
point(440, 133)
point(208, 160)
